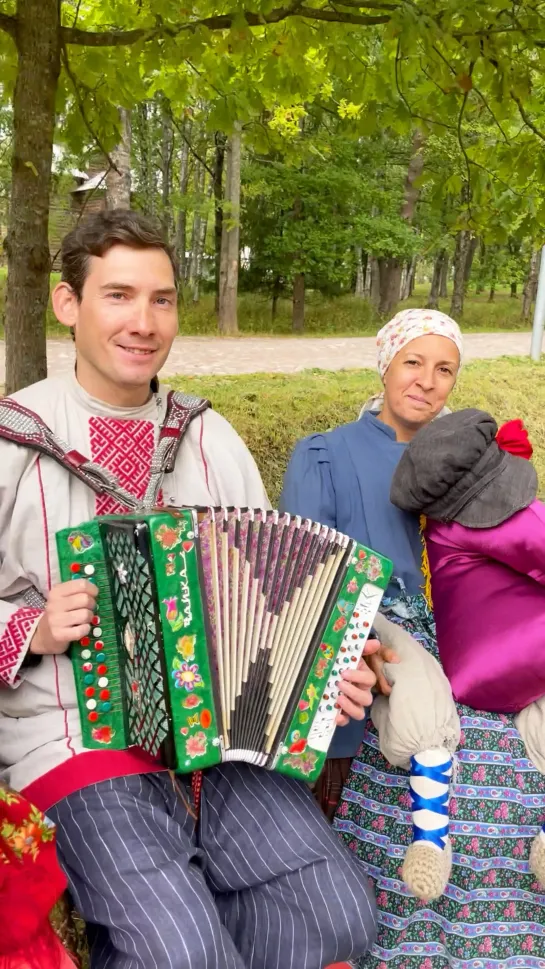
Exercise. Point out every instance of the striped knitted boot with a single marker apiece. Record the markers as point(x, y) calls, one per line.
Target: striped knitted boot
point(428, 861)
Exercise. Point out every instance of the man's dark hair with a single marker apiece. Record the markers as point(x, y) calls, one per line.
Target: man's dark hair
point(99, 233)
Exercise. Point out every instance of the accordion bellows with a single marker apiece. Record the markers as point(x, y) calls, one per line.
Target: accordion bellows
point(220, 634)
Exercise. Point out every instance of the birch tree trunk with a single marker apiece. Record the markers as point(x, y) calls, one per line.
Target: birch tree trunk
point(167, 147)
point(118, 183)
point(198, 184)
point(391, 267)
point(435, 290)
point(38, 64)
point(227, 318)
point(219, 165)
point(201, 244)
point(181, 222)
point(443, 288)
point(530, 285)
point(359, 291)
point(458, 291)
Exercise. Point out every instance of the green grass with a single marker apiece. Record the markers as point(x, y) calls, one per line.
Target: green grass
point(342, 316)
point(272, 411)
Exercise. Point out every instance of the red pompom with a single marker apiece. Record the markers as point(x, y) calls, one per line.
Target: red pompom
point(513, 437)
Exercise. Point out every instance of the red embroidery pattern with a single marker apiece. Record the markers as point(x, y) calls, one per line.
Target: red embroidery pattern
point(14, 640)
point(124, 447)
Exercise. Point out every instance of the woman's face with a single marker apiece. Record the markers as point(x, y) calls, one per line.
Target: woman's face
point(418, 383)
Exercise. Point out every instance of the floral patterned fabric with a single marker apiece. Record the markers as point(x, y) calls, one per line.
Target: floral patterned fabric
point(492, 915)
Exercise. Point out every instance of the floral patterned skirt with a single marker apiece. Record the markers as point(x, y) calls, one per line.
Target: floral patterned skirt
point(492, 915)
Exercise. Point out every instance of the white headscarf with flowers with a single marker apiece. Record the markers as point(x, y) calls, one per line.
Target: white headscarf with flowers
point(409, 325)
point(406, 326)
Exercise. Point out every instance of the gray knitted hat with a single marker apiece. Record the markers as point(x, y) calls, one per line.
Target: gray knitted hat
point(453, 470)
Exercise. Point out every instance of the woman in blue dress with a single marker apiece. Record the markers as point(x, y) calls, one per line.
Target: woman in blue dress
point(493, 912)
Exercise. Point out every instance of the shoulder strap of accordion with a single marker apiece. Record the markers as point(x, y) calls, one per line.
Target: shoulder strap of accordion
point(181, 409)
point(22, 426)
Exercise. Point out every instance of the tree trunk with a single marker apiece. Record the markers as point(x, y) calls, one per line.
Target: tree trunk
point(276, 291)
point(27, 291)
point(167, 146)
point(435, 290)
point(390, 284)
point(359, 291)
point(298, 318)
point(513, 290)
point(458, 290)
point(181, 224)
point(298, 295)
point(200, 249)
point(390, 268)
point(408, 284)
point(374, 282)
point(492, 294)
point(443, 286)
point(144, 144)
point(219, 163)
point(530, 286)
point(471, 250)
point(227, 319)
point(198, 186)
point(118, 183)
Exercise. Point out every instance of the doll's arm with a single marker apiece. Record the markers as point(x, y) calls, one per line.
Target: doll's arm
point(420, 713)
point(518, 542)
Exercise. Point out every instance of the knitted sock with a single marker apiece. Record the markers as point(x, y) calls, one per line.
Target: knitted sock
point(431, 772)
point(428, 860)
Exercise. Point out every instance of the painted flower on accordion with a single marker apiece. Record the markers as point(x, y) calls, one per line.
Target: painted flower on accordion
point(186, 676)
point(352, 586)
point(196, 745)
point(374, 568)
point(304, 762)
point(169, 536)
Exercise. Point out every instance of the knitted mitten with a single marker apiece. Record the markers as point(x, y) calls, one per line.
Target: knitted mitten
point(428, 861)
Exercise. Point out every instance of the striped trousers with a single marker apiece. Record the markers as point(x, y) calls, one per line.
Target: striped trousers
point(261, 881)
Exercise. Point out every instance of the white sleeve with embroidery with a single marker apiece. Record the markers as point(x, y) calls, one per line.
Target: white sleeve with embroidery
point(17, 620)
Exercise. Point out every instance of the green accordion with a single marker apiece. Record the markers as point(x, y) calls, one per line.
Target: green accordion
point(219, 634)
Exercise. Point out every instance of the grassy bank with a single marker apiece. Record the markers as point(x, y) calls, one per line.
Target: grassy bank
point(272, 411)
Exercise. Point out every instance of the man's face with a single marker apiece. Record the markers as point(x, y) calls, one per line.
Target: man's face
point(125, 323)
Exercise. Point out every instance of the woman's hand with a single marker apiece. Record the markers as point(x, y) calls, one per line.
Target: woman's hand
point(376, 660)
point(355, 687)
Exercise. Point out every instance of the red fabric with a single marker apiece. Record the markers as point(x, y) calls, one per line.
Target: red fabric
point(124, 447)
point(513, 437)
point(31, 880)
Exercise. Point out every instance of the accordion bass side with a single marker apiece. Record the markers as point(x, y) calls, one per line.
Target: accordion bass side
point(219, 634)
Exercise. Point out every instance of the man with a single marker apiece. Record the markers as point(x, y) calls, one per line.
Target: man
point(260, 881)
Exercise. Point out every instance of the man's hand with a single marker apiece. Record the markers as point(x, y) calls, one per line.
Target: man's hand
point(68, 613)
point(355, 688)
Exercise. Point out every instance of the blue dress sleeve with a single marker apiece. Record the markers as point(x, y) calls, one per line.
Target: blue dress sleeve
point(308, 487)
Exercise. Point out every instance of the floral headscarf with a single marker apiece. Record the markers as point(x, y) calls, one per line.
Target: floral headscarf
point(31, 882)
point(408, 325)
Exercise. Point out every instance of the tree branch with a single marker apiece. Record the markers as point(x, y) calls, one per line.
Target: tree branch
point(527, 121)
point(373, 5)
point(8, 24)
point(81, 106)
point(184, 137)
point(118, 38)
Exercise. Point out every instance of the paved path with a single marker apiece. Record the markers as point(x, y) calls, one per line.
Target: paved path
point(216, 355)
